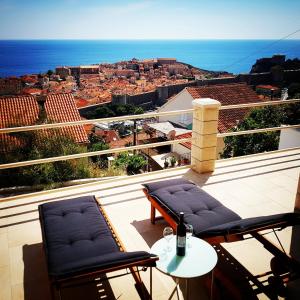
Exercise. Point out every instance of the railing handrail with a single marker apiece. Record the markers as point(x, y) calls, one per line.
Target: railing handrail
point(257, 104)
point(137, 147)
point(92, 121)
point(141, 116)
point(91, 184)
point(88, 154)
point(260, 130)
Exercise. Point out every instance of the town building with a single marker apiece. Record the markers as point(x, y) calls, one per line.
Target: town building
point(89, 69)
point(63, 72)
point(228, 94)
point(33, 110)
point(10, 86)
point(166, 61)
point(268, 90)
point(76, 71)
point(109, 135)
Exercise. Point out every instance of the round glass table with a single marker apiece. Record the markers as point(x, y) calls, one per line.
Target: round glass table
point(200, 259)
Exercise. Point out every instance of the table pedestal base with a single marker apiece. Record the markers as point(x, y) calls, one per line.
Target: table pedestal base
point(187, 288)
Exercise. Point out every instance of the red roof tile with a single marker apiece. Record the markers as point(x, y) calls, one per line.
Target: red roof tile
point(31, 91)
point(24, 110)
point(267, 87)
point(81, 103)
point(108, 135)
point(184, 136)
point(229, 94)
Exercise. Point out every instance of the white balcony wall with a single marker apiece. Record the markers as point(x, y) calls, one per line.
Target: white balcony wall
point(181, 101)
point(289, 138)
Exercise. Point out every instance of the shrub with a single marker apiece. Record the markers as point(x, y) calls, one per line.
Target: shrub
point(268, 116)
point(38, 146)
point(130, 163)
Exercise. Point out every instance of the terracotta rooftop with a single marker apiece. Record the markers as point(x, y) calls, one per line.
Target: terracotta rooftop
point(128, 139)
point(31, 91)
point(185, 136)
point(228, 94)
point(108, 135)
point(267, 87)
point(24, 110)
point(81, 103)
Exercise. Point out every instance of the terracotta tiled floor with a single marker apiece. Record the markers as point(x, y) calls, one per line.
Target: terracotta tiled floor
point(258, 185)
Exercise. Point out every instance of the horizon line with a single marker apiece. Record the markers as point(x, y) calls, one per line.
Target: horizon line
point(146, 39)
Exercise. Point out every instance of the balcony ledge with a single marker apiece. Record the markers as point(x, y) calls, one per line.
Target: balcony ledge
point(251, 186)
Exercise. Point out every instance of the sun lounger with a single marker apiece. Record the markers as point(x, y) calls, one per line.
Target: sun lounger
point(216, 223)
point(211, 220)
point(81, 244)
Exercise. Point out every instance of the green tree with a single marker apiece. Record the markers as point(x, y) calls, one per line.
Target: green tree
point(104, 112)
point(122, 160)
point(138, 110)
point(294, 89)
point(132, 163)
point(120, 110)
point(113, 110)
point(101, 160)
point(41, 145)
point(292, 112)
point(136, 163)
point(269, 116)
point(49, 73)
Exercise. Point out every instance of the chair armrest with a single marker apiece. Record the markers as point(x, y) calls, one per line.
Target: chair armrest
point(249, 225)
point(104, 263)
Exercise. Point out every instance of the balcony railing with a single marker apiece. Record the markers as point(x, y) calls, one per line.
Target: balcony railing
point(258, 104)
point(203, 153)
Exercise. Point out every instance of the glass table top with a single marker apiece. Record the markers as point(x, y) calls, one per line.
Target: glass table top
point(200, 258)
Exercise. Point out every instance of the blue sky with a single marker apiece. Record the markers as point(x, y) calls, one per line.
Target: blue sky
point(148, 19)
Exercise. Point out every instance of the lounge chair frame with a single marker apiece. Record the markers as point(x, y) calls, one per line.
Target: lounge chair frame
point(58, 284)
point(286, 259)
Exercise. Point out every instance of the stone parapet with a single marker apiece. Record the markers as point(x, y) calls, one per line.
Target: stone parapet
point(205, 129)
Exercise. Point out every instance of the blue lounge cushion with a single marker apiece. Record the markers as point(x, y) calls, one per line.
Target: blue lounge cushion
point(207, 215)
point(249, 224)
point(78, 239)
point(154, 186)
point(200, 209)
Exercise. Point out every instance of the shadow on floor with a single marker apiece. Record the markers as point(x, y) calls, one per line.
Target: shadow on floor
point(37, 285)
point(150, 232)
point(225, 280)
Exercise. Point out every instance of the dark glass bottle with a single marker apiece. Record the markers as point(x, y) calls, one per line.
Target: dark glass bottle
point(181, 237)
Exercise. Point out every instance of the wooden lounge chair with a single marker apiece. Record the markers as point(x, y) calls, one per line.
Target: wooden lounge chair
point(216, 223)
point(81, 244)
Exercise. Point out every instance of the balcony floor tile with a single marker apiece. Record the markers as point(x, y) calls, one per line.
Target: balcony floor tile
point(251, 186)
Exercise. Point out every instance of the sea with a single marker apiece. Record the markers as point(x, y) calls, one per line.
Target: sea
point(19, 57)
